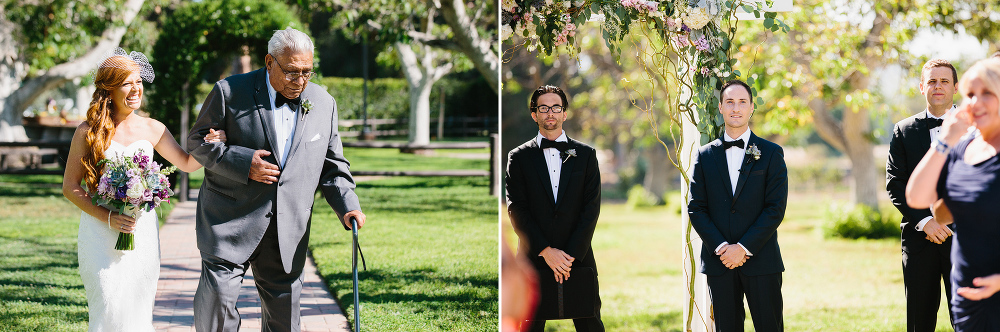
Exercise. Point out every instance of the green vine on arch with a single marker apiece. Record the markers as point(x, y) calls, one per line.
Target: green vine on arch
point(200, 37)
point(686, 53)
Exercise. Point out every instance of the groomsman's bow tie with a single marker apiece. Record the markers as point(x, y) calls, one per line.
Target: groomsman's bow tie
point(934, 123)
point(561, 146)
point(737, 143)
point(281, 100)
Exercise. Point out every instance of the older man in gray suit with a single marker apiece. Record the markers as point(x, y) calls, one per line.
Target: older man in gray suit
point(255, 205)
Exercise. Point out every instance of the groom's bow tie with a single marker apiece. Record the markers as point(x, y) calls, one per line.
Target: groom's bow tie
point(934, 123)
point(737, 143)
point(281, 100)
point(561, 146)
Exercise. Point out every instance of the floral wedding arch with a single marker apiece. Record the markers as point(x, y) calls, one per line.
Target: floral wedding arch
point(686, 50)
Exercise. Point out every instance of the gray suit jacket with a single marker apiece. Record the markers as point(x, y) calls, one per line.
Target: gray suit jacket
point(234, 211)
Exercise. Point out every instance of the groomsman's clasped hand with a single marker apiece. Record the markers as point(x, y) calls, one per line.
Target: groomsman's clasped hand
point(732, 256)
point(559, 261)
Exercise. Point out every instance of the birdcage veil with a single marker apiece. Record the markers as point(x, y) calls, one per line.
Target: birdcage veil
point(118, 58)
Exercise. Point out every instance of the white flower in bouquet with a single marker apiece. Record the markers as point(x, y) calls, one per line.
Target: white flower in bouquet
point(505, 32)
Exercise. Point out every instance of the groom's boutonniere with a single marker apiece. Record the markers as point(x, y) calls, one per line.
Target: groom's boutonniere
point(307, 106)
point(754, 151)
point(569, 153)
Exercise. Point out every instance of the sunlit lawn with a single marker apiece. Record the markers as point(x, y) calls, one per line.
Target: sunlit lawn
point(828, 284)
point(431, 248)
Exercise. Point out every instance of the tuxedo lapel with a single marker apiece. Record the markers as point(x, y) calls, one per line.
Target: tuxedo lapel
point(541, 169)
point(264, 111)
point(745, 167)
point(299, 125)
point(564, 174)
point(722, 164)
point(923, 133)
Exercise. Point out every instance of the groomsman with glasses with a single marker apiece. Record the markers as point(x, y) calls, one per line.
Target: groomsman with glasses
point(553, 199)
point(926, 244)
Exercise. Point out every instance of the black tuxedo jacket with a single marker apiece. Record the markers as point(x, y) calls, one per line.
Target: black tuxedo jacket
point(750, 217)
point(911, 138)
point(538, 220)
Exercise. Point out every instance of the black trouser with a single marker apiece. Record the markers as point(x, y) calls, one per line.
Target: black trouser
point(592, 324)
point(219, 288)
point(763, 295)
point(923, 272)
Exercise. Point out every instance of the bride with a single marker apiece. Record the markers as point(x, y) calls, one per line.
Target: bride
point(120, 285)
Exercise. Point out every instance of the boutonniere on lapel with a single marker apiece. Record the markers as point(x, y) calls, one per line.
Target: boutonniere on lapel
point(754, 151)
point(569, 153)
point(307, 106)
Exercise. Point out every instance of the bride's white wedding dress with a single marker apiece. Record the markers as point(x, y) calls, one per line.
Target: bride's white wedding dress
point(121, 285)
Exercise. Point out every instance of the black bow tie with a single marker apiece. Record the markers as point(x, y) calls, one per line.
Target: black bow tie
point(737, 143)
point(934, 123)
point(281, 100)
point(561, 146)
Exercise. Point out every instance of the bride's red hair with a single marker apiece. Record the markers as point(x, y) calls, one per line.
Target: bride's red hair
point(109, 77)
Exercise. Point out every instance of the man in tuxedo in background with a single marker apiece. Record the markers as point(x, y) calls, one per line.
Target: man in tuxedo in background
point(926, 243)
point(553, 199)
point(739, 190)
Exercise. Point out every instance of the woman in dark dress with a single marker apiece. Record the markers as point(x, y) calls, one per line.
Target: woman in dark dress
point(965, 173)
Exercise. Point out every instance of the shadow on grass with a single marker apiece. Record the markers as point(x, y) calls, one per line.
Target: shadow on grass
point(422, 289)
point(30, 190)
point(40, 286)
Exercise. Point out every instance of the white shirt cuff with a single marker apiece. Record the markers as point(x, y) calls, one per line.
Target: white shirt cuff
point(920, 225)
point(720, 247)
point(745, 249)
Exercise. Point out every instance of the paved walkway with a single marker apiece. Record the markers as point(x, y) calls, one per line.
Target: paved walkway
point(180, 269)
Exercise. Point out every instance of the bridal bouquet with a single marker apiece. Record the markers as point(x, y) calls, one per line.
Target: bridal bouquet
point(132, 184)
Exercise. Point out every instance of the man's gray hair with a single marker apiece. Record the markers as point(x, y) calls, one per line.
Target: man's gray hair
point(289, 41)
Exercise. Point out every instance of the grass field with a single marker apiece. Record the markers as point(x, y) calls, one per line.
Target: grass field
point(828, 284)
point(431, 248)
point(40, 288)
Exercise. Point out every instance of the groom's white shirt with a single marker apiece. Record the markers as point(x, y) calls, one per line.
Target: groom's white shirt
point(734, 161)
point(284, 124)
point(553, 162)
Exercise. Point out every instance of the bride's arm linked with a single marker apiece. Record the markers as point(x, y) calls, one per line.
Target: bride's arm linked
point(172, 152)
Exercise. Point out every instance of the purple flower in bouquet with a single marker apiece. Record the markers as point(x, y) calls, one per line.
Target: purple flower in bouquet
point(702, 44)
point(131, 185)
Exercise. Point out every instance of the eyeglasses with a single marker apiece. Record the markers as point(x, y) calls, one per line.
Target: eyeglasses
point(546, 109)
point(292, 75)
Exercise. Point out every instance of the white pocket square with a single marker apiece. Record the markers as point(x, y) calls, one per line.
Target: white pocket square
point(315, 138)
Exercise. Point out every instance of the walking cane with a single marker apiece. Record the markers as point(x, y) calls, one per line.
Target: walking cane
point(354, 268)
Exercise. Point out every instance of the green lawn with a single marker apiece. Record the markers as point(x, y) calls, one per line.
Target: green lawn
point(828, 284)
point(391, 160)
point(40, 288)
point(431, 248)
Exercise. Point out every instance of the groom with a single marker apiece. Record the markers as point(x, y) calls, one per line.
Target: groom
point(257, 198)
point(738, 195)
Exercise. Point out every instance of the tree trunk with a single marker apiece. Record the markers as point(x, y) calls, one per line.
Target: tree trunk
point(16, 100)
point(420, 75)
point(470, 43)
point(11, 73)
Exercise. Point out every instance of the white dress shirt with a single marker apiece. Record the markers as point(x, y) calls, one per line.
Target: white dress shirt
point(734, 159)
point(284, 125)
point(553, 162)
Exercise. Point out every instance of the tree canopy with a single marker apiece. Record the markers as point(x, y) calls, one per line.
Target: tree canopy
point(200, 35)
